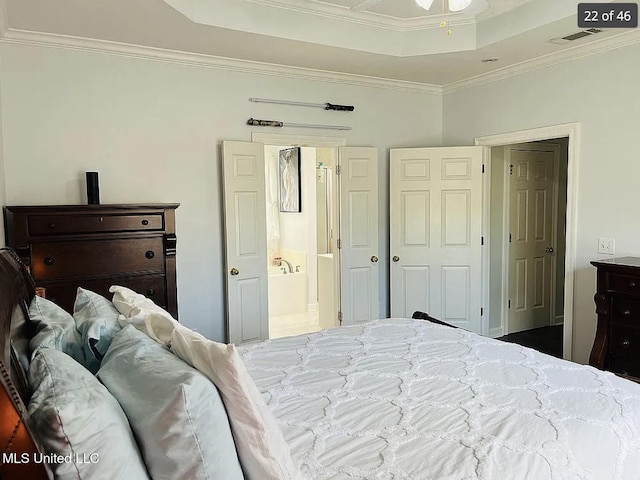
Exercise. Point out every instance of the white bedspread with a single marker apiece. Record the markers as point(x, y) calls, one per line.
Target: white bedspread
point(407, 399)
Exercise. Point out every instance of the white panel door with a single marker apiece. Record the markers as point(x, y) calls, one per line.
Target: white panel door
point(246, 241)
point(436, 209)
point(359, 233)
point(531, 227)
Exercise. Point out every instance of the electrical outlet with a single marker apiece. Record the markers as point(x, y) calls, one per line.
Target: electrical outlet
point(607, 246)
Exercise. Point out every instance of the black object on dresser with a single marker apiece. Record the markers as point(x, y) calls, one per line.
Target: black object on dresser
point(617, 344)
point(96, 246)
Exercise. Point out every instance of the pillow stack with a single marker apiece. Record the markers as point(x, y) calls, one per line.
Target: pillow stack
point(263, 452)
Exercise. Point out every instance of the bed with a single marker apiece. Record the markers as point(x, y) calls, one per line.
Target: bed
point(390, 399)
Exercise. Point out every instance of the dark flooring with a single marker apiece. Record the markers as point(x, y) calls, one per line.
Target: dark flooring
point(546, 339)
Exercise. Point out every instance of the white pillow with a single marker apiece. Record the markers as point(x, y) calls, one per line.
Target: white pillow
point(130, 303)
point(262, 449)
point(155, 325)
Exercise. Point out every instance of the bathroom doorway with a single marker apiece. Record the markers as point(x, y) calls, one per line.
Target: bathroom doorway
point(302, 227)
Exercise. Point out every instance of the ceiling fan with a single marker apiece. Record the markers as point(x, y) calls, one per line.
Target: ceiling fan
point(454, 5)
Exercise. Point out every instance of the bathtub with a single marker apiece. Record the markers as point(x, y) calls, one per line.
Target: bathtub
point(287, 292)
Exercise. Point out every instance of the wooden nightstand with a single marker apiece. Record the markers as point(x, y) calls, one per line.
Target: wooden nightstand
point(617, 344)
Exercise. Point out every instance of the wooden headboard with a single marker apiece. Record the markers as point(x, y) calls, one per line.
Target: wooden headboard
point(16, 438)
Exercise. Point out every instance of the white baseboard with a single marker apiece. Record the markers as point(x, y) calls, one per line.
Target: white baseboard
point(559, 320)
point(496, 332)
point(312, 307)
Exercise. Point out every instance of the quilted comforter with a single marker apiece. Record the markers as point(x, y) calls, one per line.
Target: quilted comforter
point(407, 399)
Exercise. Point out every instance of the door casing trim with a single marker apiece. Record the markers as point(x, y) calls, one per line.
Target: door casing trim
point(571, 130)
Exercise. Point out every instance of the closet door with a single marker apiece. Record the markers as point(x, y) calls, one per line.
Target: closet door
point(246, 241)
point(436, 244)
point(358, 177)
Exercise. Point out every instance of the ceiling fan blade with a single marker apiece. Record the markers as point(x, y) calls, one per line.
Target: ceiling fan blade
point(365, 4)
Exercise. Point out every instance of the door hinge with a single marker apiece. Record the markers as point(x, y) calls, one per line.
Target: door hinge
point(509, 238)
point(340, 317)
point(481, 311)
point(510, 169)
point(483, 168)
point(339, 243)
point(509, 304)
point(481, 240)
point(338, 170)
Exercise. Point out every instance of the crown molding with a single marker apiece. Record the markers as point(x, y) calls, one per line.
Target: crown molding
point(567, 55)
point(370, 19)
point(23, 37)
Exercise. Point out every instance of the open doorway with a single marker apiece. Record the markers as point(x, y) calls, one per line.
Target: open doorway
point(529, 195)
point(301, 237)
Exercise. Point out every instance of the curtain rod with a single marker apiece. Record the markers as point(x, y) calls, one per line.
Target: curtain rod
point(326, 106)
point(276, 123)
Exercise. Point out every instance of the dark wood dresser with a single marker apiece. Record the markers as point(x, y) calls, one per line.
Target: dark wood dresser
point(96, 246)
point(617, 344)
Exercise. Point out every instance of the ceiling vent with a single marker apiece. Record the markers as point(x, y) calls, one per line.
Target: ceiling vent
point(575, 36)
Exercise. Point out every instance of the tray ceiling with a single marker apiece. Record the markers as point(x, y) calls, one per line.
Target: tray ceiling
point(324, 35)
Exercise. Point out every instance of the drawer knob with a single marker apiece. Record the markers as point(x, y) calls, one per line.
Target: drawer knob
point(49, 261)
point(151, 292)
point(52, 225)
point(145, 222)
point(625, 343)
point(149, 254)
point(632, 284)
point(627, 313)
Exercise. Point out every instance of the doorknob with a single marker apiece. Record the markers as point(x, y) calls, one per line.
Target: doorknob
point(549, 249)
point(374, 259)
point(396, 258)
point(234, 271)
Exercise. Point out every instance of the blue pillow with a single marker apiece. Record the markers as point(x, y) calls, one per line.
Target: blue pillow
point(97, 321)
point(175, 412)
point(76, 417)
point(55, 328)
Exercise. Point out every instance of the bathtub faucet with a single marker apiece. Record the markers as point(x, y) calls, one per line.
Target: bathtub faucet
point(288, 265)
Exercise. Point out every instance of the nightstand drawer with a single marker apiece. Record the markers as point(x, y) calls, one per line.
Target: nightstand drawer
point(94, 258)
point(625, 344)
point(625, 311)
point(624, 284)
point(48, 225)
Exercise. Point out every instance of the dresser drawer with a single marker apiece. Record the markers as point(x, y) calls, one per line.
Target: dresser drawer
point(624, 284)
point(626, 368)
point(42, 225)
point(625, 311)
point(64, 293)
point(99, 257)
point(624, 344)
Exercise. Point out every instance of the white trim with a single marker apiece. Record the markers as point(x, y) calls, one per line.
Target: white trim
point(496, 332)
point(281, 139)
point(571, 130)
point(312, 307)
point(568, 54)
point(559, 320)
point(371, 19)
point(486, 247)
point(24, 37)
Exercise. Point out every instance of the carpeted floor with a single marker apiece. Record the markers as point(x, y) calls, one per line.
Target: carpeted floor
point(546, 339)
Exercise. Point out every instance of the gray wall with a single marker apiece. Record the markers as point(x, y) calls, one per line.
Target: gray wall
point(153, 130)
point(601, 92)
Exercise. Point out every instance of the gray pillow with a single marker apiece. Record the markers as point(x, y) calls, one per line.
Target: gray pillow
point(74, 415)
point(176, 413)
point(97, 321)
point(55, 328)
